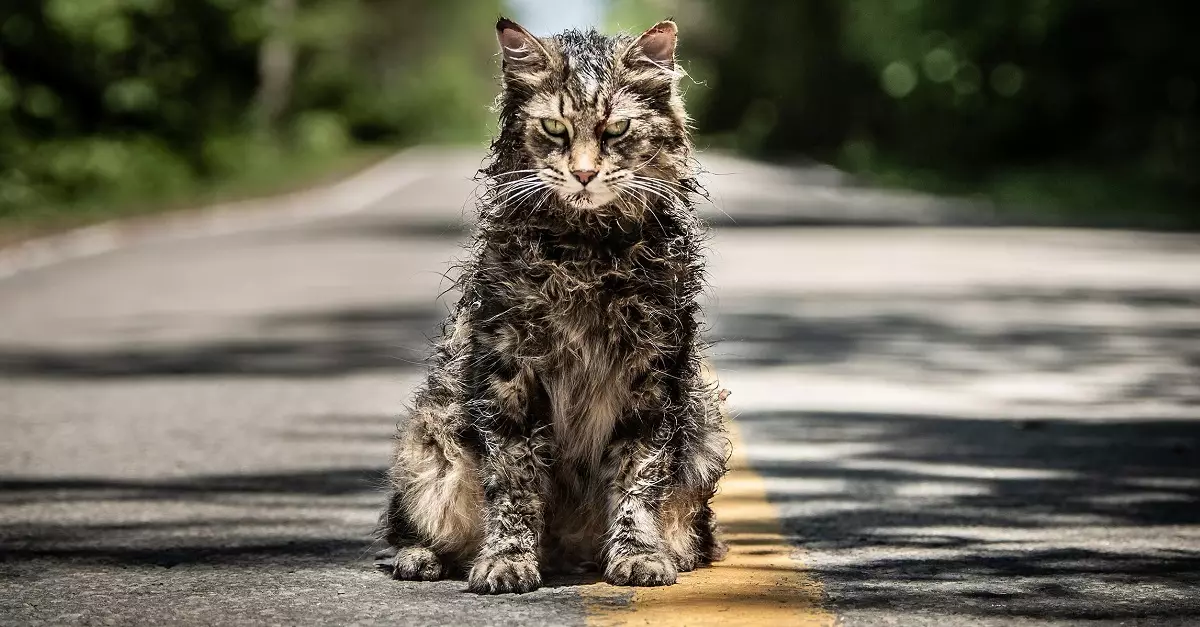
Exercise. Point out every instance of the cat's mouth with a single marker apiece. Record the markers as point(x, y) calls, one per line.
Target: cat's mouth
point(588, 198)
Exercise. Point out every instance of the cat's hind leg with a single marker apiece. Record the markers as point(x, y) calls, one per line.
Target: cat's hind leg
point(410, 558)
point(434, 515)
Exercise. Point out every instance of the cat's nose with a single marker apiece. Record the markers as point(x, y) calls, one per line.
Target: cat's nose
point(584, 175)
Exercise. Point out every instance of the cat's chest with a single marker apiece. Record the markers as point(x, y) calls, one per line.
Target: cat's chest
point(582, 313)
point(597, 291)
point(588, 325)
point(588, 386)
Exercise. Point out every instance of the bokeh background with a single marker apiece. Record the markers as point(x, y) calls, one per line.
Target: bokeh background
point(1054, 111)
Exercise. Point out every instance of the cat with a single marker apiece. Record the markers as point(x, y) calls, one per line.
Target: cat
point(565, 422)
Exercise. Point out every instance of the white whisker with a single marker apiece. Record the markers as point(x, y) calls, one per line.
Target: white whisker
point(526, 193)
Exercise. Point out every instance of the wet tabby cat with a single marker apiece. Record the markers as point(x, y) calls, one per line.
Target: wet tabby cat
point(565, 421)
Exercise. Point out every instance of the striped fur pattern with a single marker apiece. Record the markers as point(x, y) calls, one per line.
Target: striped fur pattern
point(565, 423)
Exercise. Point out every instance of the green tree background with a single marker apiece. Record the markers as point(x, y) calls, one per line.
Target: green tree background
point(1079, 111)
point(105, 101)
point(1068, 110)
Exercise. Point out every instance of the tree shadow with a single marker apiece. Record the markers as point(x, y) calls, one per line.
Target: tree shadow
point(1065, 516)
point(956, 336)
point(959, 515)
point(290, 518)
point(291, 345)
point(245, 518)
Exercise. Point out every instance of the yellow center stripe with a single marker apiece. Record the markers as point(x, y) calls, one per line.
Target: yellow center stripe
point(758, 582)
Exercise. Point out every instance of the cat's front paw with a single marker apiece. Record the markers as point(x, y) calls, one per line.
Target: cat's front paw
point(417, 563)
point(498, 575)
point(647, 569)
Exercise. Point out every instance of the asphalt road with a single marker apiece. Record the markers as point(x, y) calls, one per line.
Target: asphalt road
point(956, 425)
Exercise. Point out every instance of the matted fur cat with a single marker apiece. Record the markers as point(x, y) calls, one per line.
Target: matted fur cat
point(565, 422)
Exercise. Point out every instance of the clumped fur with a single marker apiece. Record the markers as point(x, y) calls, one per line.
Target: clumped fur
point(565, 421)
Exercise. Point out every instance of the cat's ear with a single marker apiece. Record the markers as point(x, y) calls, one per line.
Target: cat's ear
point(522, 51)
point(656, 45)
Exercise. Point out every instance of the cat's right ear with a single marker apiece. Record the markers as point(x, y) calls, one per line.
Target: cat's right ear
point(522, 51)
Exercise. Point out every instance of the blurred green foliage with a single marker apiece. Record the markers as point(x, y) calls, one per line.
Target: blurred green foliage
point(635, 16)
point(1063, 108)
point(109, 100)
point(1087, 107)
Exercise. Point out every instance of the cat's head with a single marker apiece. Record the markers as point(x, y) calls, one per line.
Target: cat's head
point(593, 120)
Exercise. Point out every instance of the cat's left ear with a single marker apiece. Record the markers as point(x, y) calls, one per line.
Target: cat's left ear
point(656, 45)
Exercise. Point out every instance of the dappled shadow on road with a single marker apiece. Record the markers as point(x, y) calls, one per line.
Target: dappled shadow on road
point(1061, 495)
point(1114, 345)
point(70, 489)
point(441, 229)
point(1057, 518)
point(211, 519)
point(312, 344)
point(317, 516)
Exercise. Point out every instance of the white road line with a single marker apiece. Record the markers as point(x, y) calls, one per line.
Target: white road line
point(357, 193)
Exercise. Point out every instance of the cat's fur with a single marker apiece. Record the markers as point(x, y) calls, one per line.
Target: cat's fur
point(565, 420)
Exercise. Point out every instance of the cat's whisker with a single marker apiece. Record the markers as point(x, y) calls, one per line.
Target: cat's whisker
point(523, 179)
point(647, 161)
point(647, 208)
point(516, 200)
point(524, 193)
point(546, 194)
point(675, 188)
point(545, 199)
point(494, 183)
point(646, 188)
point(514, 197)
point(516, 188)
point(511, 193)
point(682, 189)
point(514, 172)
point(657, 180)
point(628, 197)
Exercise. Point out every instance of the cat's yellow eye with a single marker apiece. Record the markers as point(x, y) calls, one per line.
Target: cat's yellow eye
point(554, 127)
point(616, 129)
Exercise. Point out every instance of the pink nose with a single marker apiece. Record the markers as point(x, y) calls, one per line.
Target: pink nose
point(585, 175)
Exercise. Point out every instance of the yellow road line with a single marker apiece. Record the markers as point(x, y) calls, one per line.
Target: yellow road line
point(758, 582)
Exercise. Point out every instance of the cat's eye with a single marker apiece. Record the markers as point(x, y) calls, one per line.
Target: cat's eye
point(616, 129)
point(554, 127)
